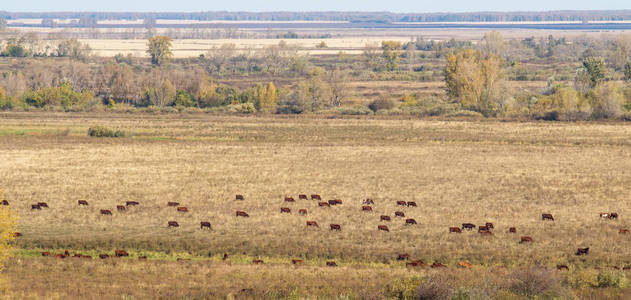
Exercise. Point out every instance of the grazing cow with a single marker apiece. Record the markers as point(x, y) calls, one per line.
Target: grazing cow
point(131, 203)
point(42, 204)
point(302, 197)
point(454, 230)
point(144, 257)
point(289, 199)
point(418, 263)
point(489, 225)
point(316, 197)
point(242, 214)
point(225, 256)
point(562, 268)
point(204, 224)
point(173, 224)
point(411, 203)
point(368, 202)
point(103, 256)
point(66, 253)
point(399, 214)
point(403, 256)
point(525, 239)
point(182, 209)
point(83, 202)
point(332, 202)
point(336, 227)
point(5, 202)
point(366, 208)
point(604, 215)
point(324, 204)
point(60, 256)
point(296, 261)
point(331, 264)
point(438, 265)
point(337, 201)
point(512, 230)
point(623, 231)
point(312, 223)
point(285, 210)
point(547, 217)
point(106, 212)
point(626, 268)
point(120, 207)
point(410, 222)
point(468, 226)
point(173, 203)
point(78, 255)
point(121, 253)
point(412, 264)
point(486, 233)
point(613, 215)
point(384, 218)
point(383, 228)
point(17, 234)
point(401, 203)
point(239, 197)
point(582, 251)
point(483, 228)
point(302, 212)
point(35, 206)
point(464, 264)
point(45, 253)
point(257, 261)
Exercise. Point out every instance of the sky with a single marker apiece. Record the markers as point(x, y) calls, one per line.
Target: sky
point(412, 6)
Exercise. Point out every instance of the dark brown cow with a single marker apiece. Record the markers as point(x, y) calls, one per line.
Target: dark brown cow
point(66, 253)
point(316, 197)
point(331, 264)
point(489, 225)
point(239, 197)
point(335, 202)
point(366, 208)
point(486, 233)
point(411, 203)
point(399, 214)
point(337, 227)
point(613, 215)
point(5, 202)
point(410, 221)
point(225, 256)
point(525, 239)
point(454, 230)
point(383, 228)
point(45, 253)
point(144, 257)
point(120, 207)
point(332, 202)
point(324, 204)
point(285, 210)
point(312, 223)
point(582, 251)
point(512, 230)
point(182, 209)
point(302, 212)
point(414, 264)
point(289, 199)
point(83, 202)
point(173, 224)
point(468, 226)
point(438, 265)
point(131, 203)
point(35, 206)
point(562, 268)
point(384, 218)
point(482, 228)
point(121, 253)
point(623, 231)
point(106, 212)
point(77, 255)
point(302, 197)
point(183, 259)
point(173, 203)
point(403, 256)
point(242, 214)
point(368, 202)
point(547, 217)
point(60, 256)
point(257, 261)
point(296, 261)
point(103, 256)
point(42, 204)
point(204, 224)
point(401, 203)
point(17, 234)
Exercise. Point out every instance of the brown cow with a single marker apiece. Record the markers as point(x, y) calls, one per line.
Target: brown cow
point(77, 255)
point(5, 202)
point(336, 201)
point(302, 212)
point(525, 239)
point(416, 263)
point(173, 224)
point(562, 268)
point(384, 218)
point(623, 231)
point(383, 228)
point(403, 256)
point(489, 225)
point(366, 208)
point(468, 226)
point(35, 206)
point(324, 204)
point(225, 256)
point(582, 251)
point(17, 234)
point(103, 256)
point(613, 215)
point(482, 228)
point(83, 202)
point(289, 199)
point(547, 217)
point(336, 227)
point(512, 230)
point(410, 221)
point(120, 207)
point(401, 203)
point(257, 261)
point(60, 256)
point(182, 209)
point(296, 261)
point(144, 257)
point(183, 259)
point(464, 264)
point(399, 214)
point(239, 197)
point(106, 212)
point(454, 230)
point(331, 264)
point(173, 203)
point(242, 214)
point(120, 253)
point(131, 203)
point(86, 256)
point(42, 204)
point(204, 224)
point(312, 223)
point(285, 210)
point(438, 265)
point(302, 197)
point(411, 203)
point(368, 202)
point(45, 253)
point(486, 233)
point(316, 197)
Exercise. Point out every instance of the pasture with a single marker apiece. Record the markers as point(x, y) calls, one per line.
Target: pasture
point(456, 171)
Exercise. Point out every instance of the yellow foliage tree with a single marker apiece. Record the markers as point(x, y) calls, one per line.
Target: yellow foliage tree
point(159, 48)
point(266, 98)
point(7, 235)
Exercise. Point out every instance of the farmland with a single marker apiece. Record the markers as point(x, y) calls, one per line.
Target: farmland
point(456, 170)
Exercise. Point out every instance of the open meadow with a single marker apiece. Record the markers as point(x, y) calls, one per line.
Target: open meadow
point(456, 171)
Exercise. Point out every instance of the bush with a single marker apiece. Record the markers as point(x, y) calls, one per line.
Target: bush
point(436, 287)
point(381, 103)
point(465, 114)
point(244, 108)
point(547, 116)
point(614, 279)
point(535, 282)
point(100, 131)
point(402, 288)
point(353, 110)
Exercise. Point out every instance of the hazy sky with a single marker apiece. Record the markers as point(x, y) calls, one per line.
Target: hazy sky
point(311, 5)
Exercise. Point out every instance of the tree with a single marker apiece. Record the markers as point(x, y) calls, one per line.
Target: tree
point(621, 50)
point(607, 100)
point(8, 223)
point(594, 68)
point(219, 57)
point(371, 56)
point(411, 55)
point(627, 71)
point(266, 98)
point(337, 80)
point(73, 48)
point(162, 93)
point(159, 48)
point(493, 44)
point(391, 54)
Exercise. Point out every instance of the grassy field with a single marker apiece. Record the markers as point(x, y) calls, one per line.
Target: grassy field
point(457, 171)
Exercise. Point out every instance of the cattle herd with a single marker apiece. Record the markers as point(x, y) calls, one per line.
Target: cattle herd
point(483, 230)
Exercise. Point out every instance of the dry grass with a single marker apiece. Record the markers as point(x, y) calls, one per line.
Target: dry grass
point(505, 173)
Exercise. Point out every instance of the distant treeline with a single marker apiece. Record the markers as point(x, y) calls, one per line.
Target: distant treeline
point(569, 15)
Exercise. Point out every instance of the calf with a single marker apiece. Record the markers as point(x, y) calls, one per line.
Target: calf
point(296, 261)
point(454, 230)
point(83, 202)
point(45, 253)
point(239, 197)
point(106, 212)
point(545, 217)
point(383, 228)
point(302, 212)
point(5, 202)
point(103, 256)
point(525, 239)
point(411, 203)
point(438, 265)
point(285, 210)
point(316, 197)
point(512, 230)
point(368, 202)
point(257, 261)
point(562, 268)
point(242, 214)
point(204, 224)
point(336, 227)
point(289, 199)
point(42, 204)
point(399, 214)
point(468, 226)
point(120, 253)
point(464, 264)
point(582, 251)
point(489, 225)
point(403, 256)
point(302, 197)
point(401, 203)
point(410, 222)
point(131, 203)
point(384, 218)
point(331, 264)
point(35, 206)
point(182, 209)
point(312, 223)
point(324, 204)
point(173, 224)
point(366, 208)
point(120, 207)
point(173, 203)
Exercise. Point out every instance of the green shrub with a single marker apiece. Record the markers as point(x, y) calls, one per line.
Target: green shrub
point(614, 279)
point(402, 288)
point(100, 131)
